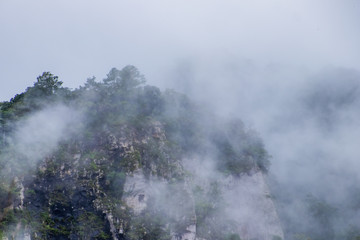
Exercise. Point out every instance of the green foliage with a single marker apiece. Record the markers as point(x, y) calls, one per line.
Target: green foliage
point(7, 218)
point(148, 226)
point(45, 91)
point(50, 228)
point(232, 161)
point(301, 237)
point(47, 84)
point(12, 111)
point(276, 238)
point(30, 192)
point(151, 102)
point(125, 79)
point(51, 168)
point(158, 159)
point(5, 194)
point(93, 166)
point(116, 181)
point(122, 106)
point(5, 106)
point(321, 210)
point(59, 197)
point(94, 155)
point(353, 233)
point(324, 215)
point(182, 120)
point(210, 221)
point(132, 161)
point(234, 236)
point(90, 226)
point(239, 150)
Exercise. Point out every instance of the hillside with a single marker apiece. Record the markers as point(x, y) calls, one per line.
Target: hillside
point(119, 159)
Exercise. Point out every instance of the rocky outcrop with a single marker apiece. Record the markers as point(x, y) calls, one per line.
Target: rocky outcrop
point(250, 205)
point(137, 191)
point(111, 164)
point(247, 200)
point(113, 189)
point(172, 200)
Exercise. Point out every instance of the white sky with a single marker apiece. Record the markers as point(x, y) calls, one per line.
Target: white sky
point(81, 38)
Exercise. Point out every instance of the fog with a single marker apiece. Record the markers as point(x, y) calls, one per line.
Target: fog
point(289, 69)
point(37, 136)
point(78, 40)
point(309, 122)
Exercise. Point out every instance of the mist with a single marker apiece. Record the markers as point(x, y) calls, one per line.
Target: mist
point(308, 126)
point(289, 70)
point(37, 136)
point(82, 39)
point(308, 120)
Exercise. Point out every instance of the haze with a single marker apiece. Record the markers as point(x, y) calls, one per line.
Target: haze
point(77, 40)
point(288, 69)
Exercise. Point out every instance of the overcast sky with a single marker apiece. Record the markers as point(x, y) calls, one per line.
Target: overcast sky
point(83, 38)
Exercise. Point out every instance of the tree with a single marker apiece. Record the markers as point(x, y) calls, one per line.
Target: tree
point(124, 79)
point(44, 89)
point(48, 83)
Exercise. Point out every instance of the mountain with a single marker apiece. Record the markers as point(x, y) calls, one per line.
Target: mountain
point(119, 159)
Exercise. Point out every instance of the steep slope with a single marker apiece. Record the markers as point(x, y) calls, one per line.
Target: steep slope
point(138, 163)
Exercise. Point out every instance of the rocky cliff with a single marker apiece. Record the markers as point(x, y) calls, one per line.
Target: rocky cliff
point(141, 165)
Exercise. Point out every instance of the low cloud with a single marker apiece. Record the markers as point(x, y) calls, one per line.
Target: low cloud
point(38, 135)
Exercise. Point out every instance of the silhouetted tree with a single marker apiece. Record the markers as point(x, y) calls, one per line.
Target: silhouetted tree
point(126, 78)
point(48, 83)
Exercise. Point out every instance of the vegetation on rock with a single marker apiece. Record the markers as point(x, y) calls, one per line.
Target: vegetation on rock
point(73, 191)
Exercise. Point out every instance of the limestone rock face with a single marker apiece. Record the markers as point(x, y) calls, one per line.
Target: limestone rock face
point(173, 201)
point(247, 199)
point(131, 183)
point(136, 191)
point(250, 205)
point(190, 234)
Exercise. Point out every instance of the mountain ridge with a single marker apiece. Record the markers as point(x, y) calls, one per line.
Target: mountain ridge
point(123, 160)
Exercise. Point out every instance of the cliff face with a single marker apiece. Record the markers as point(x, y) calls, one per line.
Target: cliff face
point(247, 200)
point(249, 203)
point(82, 196)
point(145, 165)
